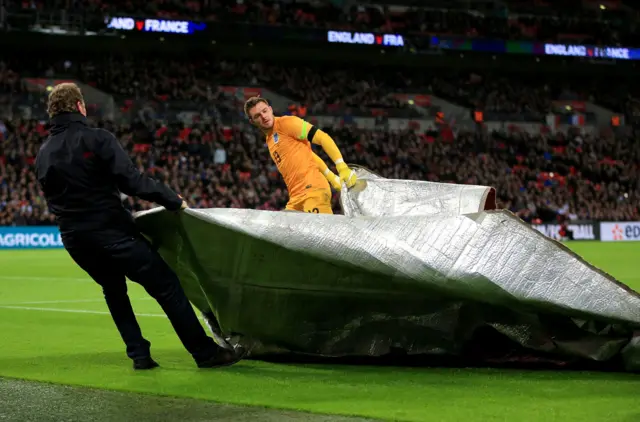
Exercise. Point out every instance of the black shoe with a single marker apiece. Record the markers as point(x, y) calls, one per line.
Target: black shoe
point(144, 363)
point(222, 357)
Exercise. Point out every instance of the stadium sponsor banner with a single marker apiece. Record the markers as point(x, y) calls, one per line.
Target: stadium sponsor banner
point(234, 31)
point(167, 26)
point(582, 230)
point(619, 231)
point(237, 32)
point(481, 45)
point(30, 237)
point(365, 38)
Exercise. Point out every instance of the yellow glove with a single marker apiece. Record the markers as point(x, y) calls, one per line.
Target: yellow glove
point(347, 175)
point(333, 179)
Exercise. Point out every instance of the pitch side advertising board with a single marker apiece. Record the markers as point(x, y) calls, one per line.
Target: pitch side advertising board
point(30, 237)
point(582, 230)
point(48, 237)
point(627, 231)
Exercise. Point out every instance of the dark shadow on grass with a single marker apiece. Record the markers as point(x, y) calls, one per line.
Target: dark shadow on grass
point(487, 349)
point(400, 362)
point(333, 369)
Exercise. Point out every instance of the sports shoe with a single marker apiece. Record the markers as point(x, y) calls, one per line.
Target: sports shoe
point(222, 357)
point(144, 363)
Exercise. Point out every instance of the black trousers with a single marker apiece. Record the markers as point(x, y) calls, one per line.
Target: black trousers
point(135, 259)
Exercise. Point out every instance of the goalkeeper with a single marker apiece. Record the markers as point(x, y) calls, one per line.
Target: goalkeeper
point(306, 175)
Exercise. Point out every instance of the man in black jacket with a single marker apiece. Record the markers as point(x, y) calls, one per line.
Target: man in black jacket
point(82, 172)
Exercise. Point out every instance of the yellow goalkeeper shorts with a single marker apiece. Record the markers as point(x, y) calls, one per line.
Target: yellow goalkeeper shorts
point(317, 201)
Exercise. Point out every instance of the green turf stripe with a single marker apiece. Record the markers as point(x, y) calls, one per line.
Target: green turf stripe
point(85, 350)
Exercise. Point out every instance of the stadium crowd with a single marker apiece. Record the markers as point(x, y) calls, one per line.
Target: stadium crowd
point(321, 89)
point(328, 88)
point(585, 22)
point(537, 177)
point(195, 80)
point(223, 163)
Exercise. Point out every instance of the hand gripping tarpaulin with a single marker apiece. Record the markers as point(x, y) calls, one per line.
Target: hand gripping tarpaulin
point(412, 268)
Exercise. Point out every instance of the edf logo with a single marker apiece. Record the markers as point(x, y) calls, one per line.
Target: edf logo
point(620, 231)
point(632, 232)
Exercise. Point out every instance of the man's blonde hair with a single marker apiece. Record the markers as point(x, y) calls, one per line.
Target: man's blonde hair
point(64, 99)
point(251, 103)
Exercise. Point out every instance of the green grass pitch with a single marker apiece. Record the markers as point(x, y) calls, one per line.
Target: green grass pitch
point(55, 327)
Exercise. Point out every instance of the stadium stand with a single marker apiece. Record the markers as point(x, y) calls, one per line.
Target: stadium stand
point(334, 89)
point(538, 177)
point(220, 161)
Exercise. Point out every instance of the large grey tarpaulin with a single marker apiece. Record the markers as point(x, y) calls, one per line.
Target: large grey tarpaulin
point(412, 268)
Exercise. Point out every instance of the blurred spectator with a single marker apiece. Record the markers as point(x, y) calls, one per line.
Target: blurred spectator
point(220, 161)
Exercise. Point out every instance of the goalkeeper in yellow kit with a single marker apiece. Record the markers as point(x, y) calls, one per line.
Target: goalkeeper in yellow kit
point(306, 175)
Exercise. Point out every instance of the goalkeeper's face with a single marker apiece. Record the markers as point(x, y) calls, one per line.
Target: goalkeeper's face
point(262, 116)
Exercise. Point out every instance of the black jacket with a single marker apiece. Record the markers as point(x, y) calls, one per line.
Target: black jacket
point(82, 171)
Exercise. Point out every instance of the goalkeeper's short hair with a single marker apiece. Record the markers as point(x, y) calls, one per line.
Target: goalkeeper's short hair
point(252, 102)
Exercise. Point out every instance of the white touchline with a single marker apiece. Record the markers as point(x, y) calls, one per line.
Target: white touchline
point(73, 311)
point(53, 302)
point(27, 278)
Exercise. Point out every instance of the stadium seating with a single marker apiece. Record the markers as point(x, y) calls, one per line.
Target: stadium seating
point(221, 161)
